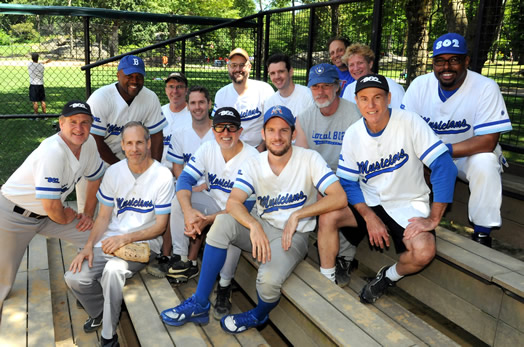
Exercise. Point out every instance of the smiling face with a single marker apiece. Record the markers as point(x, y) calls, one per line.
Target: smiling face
point(373, 105)
point(279, 75)
point(452, 70)
point(129, 85)
point(324, 94)
point(176, 92)
point(74, 130)
point(336, 51)
point(238, 68)
point(278, 136)
point(358, 66)
point(198, 106)
point(135, 145)
point(226, 139)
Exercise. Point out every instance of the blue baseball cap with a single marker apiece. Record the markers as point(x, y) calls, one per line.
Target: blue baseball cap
point(450, 43)
point(322, 73)
point(281, 112)
point(132, 64)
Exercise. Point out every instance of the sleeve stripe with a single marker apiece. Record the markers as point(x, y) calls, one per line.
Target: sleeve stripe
point(95, 175)
point(104, 196)
point(435, 145)
point(47, 189)
point(323, 178)
point(327, 182)
point(504, 121)
point(343, 168)
point(189, 166)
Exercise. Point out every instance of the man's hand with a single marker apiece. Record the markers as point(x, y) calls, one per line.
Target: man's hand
point(378, 233)
point(261, 250)
point(197, 227)
point(76, 264)
point(85, 222)
point(70, 214)
point(192, 218)
point(289, 230)
point(111, 244)
point(418, 225)
point(199, 188)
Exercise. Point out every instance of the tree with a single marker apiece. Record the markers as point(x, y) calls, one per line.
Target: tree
point(417, 14)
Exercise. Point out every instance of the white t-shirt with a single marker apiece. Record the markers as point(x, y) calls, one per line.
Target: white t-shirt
point(111, 112)
point(136, 201)
point(298, 101)
point(277, 197)
point(51, 172)
point(250, 106)
point(175, 120)
point(396, 90)
point(36, 73)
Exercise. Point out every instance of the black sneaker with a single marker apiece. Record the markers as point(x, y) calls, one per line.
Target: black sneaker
point(159, 267)
point(222, 302)
point(342, 271)
point(482, 238)
point(92, 324)
point(113, 342)
point(181, 271)
point(376, 287)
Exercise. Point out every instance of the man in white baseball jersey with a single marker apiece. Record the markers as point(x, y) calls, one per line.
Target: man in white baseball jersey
point(467, 111)
point(32, 199)
point(359, 59)
point(294, 96)
point(176, 111)
point(321, 127)
point(218, 163)
point(245, 95)
point(285, 180)
point(381, 168)
point(336, 48)
point(135, 201)
point(184, 143)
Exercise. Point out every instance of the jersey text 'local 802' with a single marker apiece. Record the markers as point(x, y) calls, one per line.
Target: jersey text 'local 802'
point(389, 165)
point(476, 108)
point(111, 112)
point(277, 197)
point(51, 172)
point(250, 105)
point(209, 162)
point(136, 201)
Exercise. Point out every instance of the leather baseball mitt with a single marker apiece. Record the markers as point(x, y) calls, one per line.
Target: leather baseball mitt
point(138, 252)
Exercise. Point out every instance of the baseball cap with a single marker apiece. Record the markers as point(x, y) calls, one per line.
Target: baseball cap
point(450, 43)
point(227, 115)
point(132, 64)
point(281, 112)
point(322, 73)
point(239, 51)
point(371, 81)
point(75, 107)
point(177, 76)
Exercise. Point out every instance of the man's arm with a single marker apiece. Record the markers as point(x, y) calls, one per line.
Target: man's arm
point(236, 208)
point(157, 145)
point(57, 212)
point(106, 153)
point(177, 169)
point(476, 144)
point(87, 218)
point(300, 140)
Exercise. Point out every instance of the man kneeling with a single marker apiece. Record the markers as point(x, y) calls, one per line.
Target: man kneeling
point(285, 180)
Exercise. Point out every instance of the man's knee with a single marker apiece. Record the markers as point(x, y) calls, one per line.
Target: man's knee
point(222, 232)
point(77, 281)
point(423, 248)
point(269, 286)
point(482, 166)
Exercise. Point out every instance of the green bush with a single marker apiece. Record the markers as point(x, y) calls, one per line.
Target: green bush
point(24, 32)
point(5, 39)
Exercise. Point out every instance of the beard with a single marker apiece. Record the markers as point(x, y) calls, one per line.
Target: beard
point(281, 152)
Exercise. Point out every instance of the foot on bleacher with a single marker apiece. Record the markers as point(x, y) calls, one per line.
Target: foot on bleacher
point(180, 271)
point(92, 324)
point(237, 323)
point(342, 274)
point(223, 302)
point(482, 238)
point(159, 266)
point(188, 311)
point(112, 342)
point(376, 287)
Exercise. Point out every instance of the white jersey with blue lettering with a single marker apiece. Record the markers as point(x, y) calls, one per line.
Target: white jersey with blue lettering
point(389, 165)
point(209, 162)
point(396, 90)
point(51, 172)
point(111, 112)
point(250, 105)
point(298, 101)
point(476, 108)
point(175, 120)
point(277, 197)
point(136, 201)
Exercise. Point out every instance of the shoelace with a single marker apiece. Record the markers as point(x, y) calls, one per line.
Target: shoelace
point(245, 319)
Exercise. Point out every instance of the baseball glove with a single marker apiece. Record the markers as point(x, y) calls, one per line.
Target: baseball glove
point(138, 252)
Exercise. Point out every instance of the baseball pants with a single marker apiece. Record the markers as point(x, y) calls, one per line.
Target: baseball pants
point(271, 275)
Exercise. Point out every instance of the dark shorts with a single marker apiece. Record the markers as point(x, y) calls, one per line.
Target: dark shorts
point(36, 92)
point(395, 230)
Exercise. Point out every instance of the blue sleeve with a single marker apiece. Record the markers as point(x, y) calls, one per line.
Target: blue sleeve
point(443, 176)
point(249, 204)
point(185, 182)
point(353, 191)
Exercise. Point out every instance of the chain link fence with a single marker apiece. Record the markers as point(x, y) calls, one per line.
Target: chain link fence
point(401, 32)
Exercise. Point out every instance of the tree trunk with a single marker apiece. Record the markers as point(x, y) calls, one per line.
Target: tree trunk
point(455, 14)
point(417, 13)
point(113, 41)
point(335, 28)
point(171, 54)
point(293, 31)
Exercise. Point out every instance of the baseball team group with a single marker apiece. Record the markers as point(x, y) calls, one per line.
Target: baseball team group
point(349, 155)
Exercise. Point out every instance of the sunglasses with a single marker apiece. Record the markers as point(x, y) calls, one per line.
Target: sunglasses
point(220, 128)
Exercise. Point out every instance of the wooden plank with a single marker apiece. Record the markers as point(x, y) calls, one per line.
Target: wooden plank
point(357, 312)
point(512, 312)
point(513, 282)
point(14, 314)
point(163, 298)
point(508, 336)
point(38, 254)
point(39, 311)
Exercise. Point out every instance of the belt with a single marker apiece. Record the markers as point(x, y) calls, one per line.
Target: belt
point(27, 213)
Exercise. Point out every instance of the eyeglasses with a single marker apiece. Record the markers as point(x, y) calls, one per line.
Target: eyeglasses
point(453, 61)
point(242, 66)
point(220, 128)
point(177, 87)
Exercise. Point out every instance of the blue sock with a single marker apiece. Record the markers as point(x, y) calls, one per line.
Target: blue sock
point(480, 229)
point(263, 308)
point(214, 259)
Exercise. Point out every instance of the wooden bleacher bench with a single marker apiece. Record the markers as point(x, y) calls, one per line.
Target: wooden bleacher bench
point(477, 288)
point(27, 317)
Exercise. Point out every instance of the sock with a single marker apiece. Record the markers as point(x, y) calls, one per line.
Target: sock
point(392, 273)
point(328, 273)
point(194, 262)
point(263, 308)
point(223, 282)
point(214, 259)
point(477, 229)
point(183, 258)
